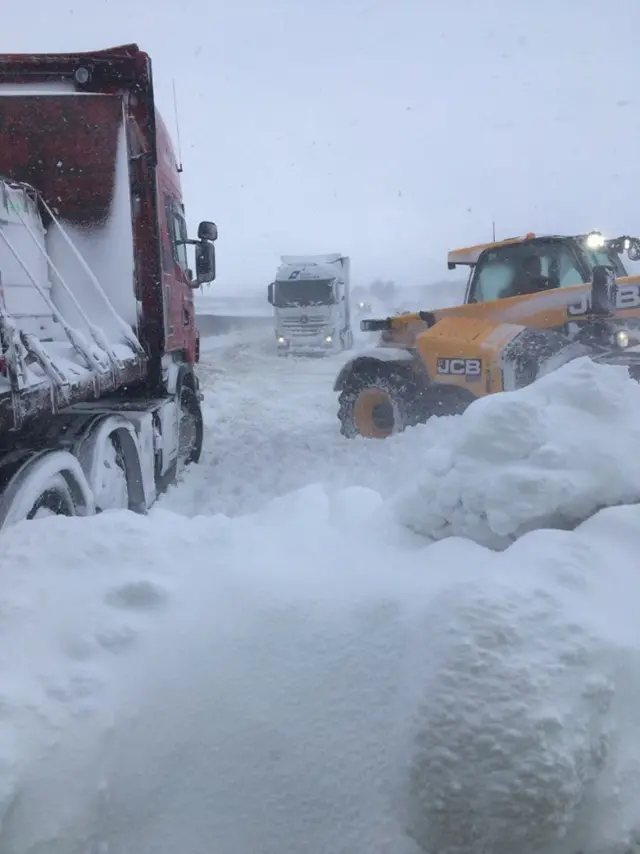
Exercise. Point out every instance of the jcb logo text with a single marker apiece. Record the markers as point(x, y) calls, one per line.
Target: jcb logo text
point(470, 369)
point(626, 297)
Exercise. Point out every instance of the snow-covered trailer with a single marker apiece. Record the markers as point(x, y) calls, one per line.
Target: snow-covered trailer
point(99, 400)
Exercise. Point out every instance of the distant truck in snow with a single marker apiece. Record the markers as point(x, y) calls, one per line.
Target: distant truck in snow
point(311, 305)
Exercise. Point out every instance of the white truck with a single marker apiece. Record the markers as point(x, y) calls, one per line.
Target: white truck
point(311, 305)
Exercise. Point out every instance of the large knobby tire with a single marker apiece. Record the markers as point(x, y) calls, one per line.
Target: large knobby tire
point(383, 401)
point(191, 430)
point(441, 400)
point(378, 402)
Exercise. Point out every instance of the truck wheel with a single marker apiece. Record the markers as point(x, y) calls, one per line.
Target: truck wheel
point(111, 488)
point(378, 403)
point(49, 483)
point(191, 428)
point(55, 500)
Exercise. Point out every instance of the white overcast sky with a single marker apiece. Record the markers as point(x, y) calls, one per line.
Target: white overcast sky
point(390, 130)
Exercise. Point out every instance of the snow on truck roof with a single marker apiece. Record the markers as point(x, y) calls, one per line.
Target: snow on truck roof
point(311, 259)
point(469, 255)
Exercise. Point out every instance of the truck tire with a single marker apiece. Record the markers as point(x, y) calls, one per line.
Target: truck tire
point(48, 483)
point(109, 454)
point(191, 429)
point(54, 500)
point(379, 402)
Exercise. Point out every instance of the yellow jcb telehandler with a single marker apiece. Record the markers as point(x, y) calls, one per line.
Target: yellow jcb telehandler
point(532, 304)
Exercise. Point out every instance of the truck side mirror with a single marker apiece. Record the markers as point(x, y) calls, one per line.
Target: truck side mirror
point(603, 291)
point(205, 262)
point(270, 294)
point(207, 231)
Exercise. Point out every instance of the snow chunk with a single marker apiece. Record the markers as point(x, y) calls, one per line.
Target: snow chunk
point(523, 734)
point(547, 455)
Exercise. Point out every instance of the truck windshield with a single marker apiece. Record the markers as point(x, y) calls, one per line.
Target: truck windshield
point(296, 292)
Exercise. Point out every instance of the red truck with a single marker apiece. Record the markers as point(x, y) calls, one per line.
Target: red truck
point(99, 399)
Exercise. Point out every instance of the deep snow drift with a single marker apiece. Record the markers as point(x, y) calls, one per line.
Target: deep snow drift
point(311, 674)
point(545, 456)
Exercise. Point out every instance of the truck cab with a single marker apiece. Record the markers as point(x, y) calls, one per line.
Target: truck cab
point(311, 302)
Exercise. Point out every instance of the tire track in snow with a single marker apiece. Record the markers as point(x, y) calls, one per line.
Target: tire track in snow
point(271, 427)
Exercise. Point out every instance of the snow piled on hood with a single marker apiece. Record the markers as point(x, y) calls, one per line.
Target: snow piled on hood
point(315, 677)
point(546, 455)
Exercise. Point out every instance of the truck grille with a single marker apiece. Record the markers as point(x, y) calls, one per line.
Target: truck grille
point(314, 326)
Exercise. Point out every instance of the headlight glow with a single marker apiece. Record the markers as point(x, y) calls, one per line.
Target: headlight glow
point(595, 240)
point(281, 340)
point(328, 339)
point(622, 338)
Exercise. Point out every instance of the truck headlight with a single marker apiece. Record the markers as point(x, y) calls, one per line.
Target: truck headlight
point(622, 338)
point(281, 340)
point(328, 339)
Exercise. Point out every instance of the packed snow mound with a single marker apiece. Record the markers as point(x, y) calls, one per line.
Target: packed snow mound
point(523, 737)
point(548, 455)
point(198, 679)
point(308, 678)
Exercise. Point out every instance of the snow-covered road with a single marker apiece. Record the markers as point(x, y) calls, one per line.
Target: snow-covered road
point(305, 647)
point(272, 428)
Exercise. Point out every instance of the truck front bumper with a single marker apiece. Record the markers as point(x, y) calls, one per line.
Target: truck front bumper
point(316, 346)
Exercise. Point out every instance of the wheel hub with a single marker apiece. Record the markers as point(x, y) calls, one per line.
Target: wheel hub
point(374, 413)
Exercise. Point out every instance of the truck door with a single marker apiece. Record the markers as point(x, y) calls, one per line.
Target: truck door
point(180, 310)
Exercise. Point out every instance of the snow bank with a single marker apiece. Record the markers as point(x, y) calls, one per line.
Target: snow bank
point(547, 455)
point(309, 679)
point(525, 736)
point(203, 678)
point(315, 676)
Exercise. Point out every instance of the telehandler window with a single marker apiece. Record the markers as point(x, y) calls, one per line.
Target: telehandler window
point(570, 276)
point(526, 268)
point(493, 277)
